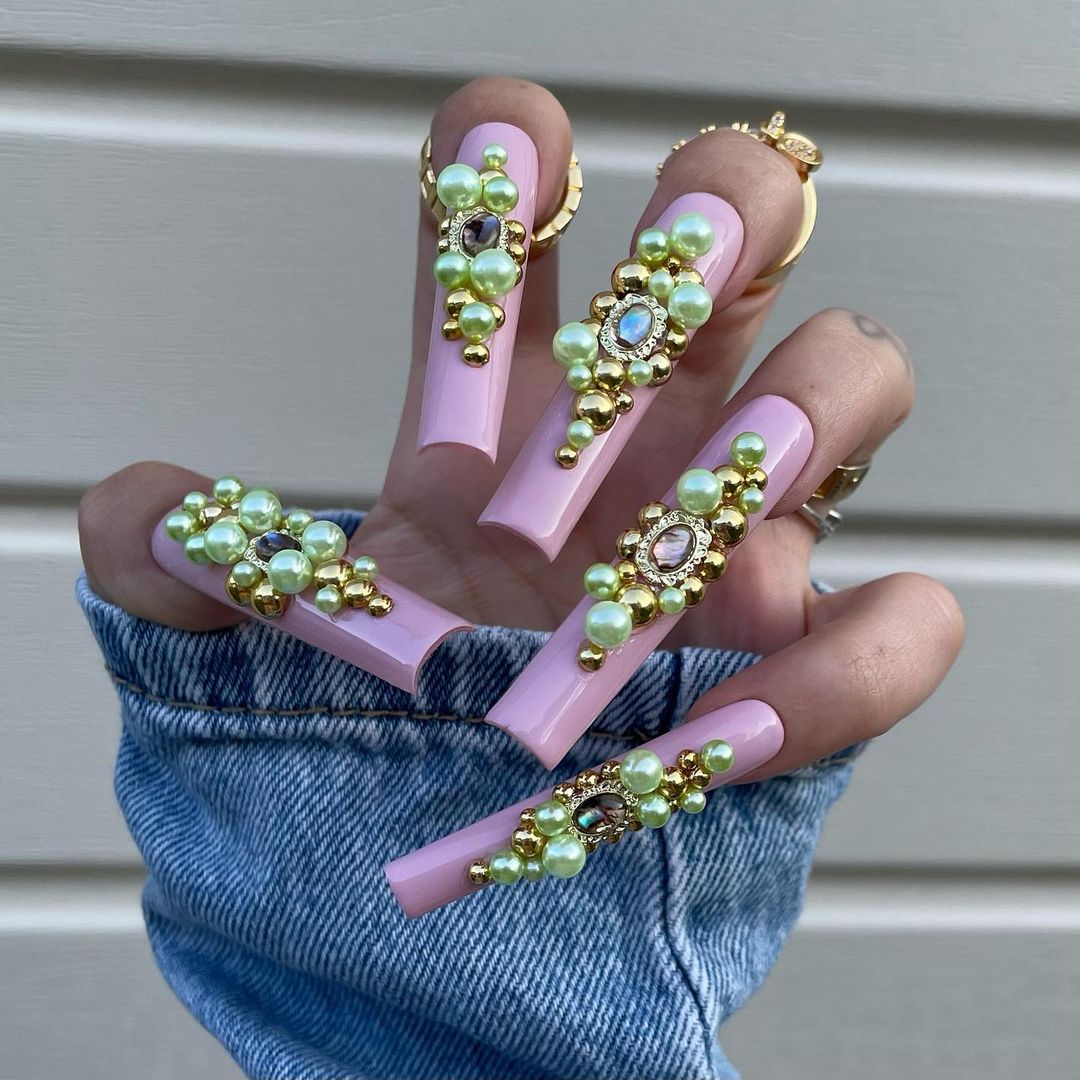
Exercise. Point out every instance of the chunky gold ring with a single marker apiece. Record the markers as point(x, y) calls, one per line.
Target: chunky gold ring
point(806, 157)
point(820, 509)
point(544, 236)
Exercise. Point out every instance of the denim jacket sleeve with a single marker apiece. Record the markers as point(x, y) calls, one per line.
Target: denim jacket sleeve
point(266, 784)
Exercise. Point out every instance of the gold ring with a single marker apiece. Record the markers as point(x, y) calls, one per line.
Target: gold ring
point(806, 157)
point(545, 236)
point(820, 509)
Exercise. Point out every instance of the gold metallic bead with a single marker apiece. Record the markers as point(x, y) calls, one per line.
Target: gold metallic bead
point(337, 573)
point(475, 355)
point(210, 513)
point(731, 482)
point(601, 304)
point(380, 605)
point(673, 264)
point(593, 324)
point(238, 594)
point(358, 592)
point(633, 824)
point(457, 299)
point(729, 525)
point(650, 515)
point(267, 601)
point(590, 843)
point(490, 174)
point(694, 590)
point(675, 342)
point(688, 760)
point(610, 769)
point(518, 276)
point(564, 792)
point(713, 566)
point(590, 657)
point(627, 543)
point(478, 873)
point(661, 369)
point(500, 315)
point(450, 330)
point(673, 784)
point(516, 231)
point(627, 572)
point(527, 816)
point(641, 602)
point(624, 401)
point(699, 776)
point(526, 843)
point(631, 275)
point(688, 274)
point(444, 244)
point(597, 407)
point(609, 374)
point(566, 456)
point(588, 778)
point(444, 227)
point(756, 478)
point(516, 251)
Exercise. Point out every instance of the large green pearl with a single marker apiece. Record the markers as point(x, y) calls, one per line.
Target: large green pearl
point(476, 321)
point(246, 575)
point(290, 572)
point(493, 273)
point(329, 600)
point(717, 755)
point(690, 305)
point(751, 500)
point(451, 269)
point(601, 580)
point(195, 549)
point(641, 771)
point(179, 525)
point(228, 491)
point(652, 246)
point(748, 450)
point(691, 235)
point(563, 856)
point(296, 521)
point(323, 541)
point(505, 867)
point(459, 186)
point(671, 601)
point(574, 343)
point(639, 373)
point(579, 377)
point(225, 542)
point(608, 624)
point(365, 567)
point(532, 870)
point(661, 284)
point(551, 818)
point(259, 511)
point(500, 194)
point(692, 801)
point(699, 491)
point(194, 501)
point(653, 811)
point(495, 156)
point(579, 434)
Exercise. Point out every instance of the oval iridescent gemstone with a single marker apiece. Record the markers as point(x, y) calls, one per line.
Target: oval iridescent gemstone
point(480, 233)
point(634, 326)
point(672, 548)
point(270, 543)
point(600, 814)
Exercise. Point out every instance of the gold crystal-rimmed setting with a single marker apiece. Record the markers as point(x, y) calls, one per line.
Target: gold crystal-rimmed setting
point(609, 328)
point(702, 541)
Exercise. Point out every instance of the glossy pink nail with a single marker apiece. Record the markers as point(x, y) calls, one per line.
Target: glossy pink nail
point(463, 405)
point(542, 502)
point(554, 701)
point(439, 873)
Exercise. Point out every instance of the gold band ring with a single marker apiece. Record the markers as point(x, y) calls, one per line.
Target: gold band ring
point(820, 509)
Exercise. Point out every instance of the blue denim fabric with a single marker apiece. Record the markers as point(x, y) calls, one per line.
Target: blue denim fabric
point(267, 783)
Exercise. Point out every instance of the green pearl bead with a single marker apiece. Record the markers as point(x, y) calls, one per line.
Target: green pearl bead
point(751, 500)
point(717, 755)
point(259, 510)
point(493, 273)
point(574, 343)
point(500, 194)
point(323, 541)
point(246, 575)
point(329, 600)
point(653, 811)
point(194, 501)
point(563, 856)
point(365, 567)
point(296, 521)
point(748, 450)
point(690, 305)
point(290, 572)
point(579, 433)
point(495, 156)
point(671, 601)
point(228, 491)
point(179, 525)
point(225, 542)
point(601, 580)
point(459, 186)
point(692, 801)
point(699, 491)
point(641, 771)
point(505, 867)
point(476, 322)
point(195, 549)
point(551, 818)
point(451, 269)
point(691, 235)
point(579, 377)
point(652, 246)
point(660, 284)
point(639, 373)
point(608, 624)
point(532, 870)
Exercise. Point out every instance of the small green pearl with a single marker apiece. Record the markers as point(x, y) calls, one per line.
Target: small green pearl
point(323, 541)
point(717, 755)
point(672, 601)
point(451, 269)
point(601, 581)
point(660, 284)
point(296, 521)
point(690, 305)
point(579, 433)
point(495, 156)
point(652, 246)
point(259, 510)
point(691, 236)
point(500, 194)
point(692, 801)
point(195, 548)
point(179, 525)
point(579, 377)
point(574, 343)
point(551, 818)
point(532, 870)
point(608, 624)
point(653, 811)
point(194, 501)
point(476, 322)
point(751, 500)
point(563, 856)
point(639, 373)
point(228, 491)
point(246, 575)
point(641, 771)
point(365, 567)
point(699, 491)
point(493, 273)
point(748, 450)
point(290, 572)
point(505, 867)
point(329, 600)
point(459, 186)
point(225, 542)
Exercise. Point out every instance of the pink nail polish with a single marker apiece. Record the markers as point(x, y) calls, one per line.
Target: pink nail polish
point(539, 500)
point(437, 874)
point(553, 701)
point(463, 405)
point(393, 647)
